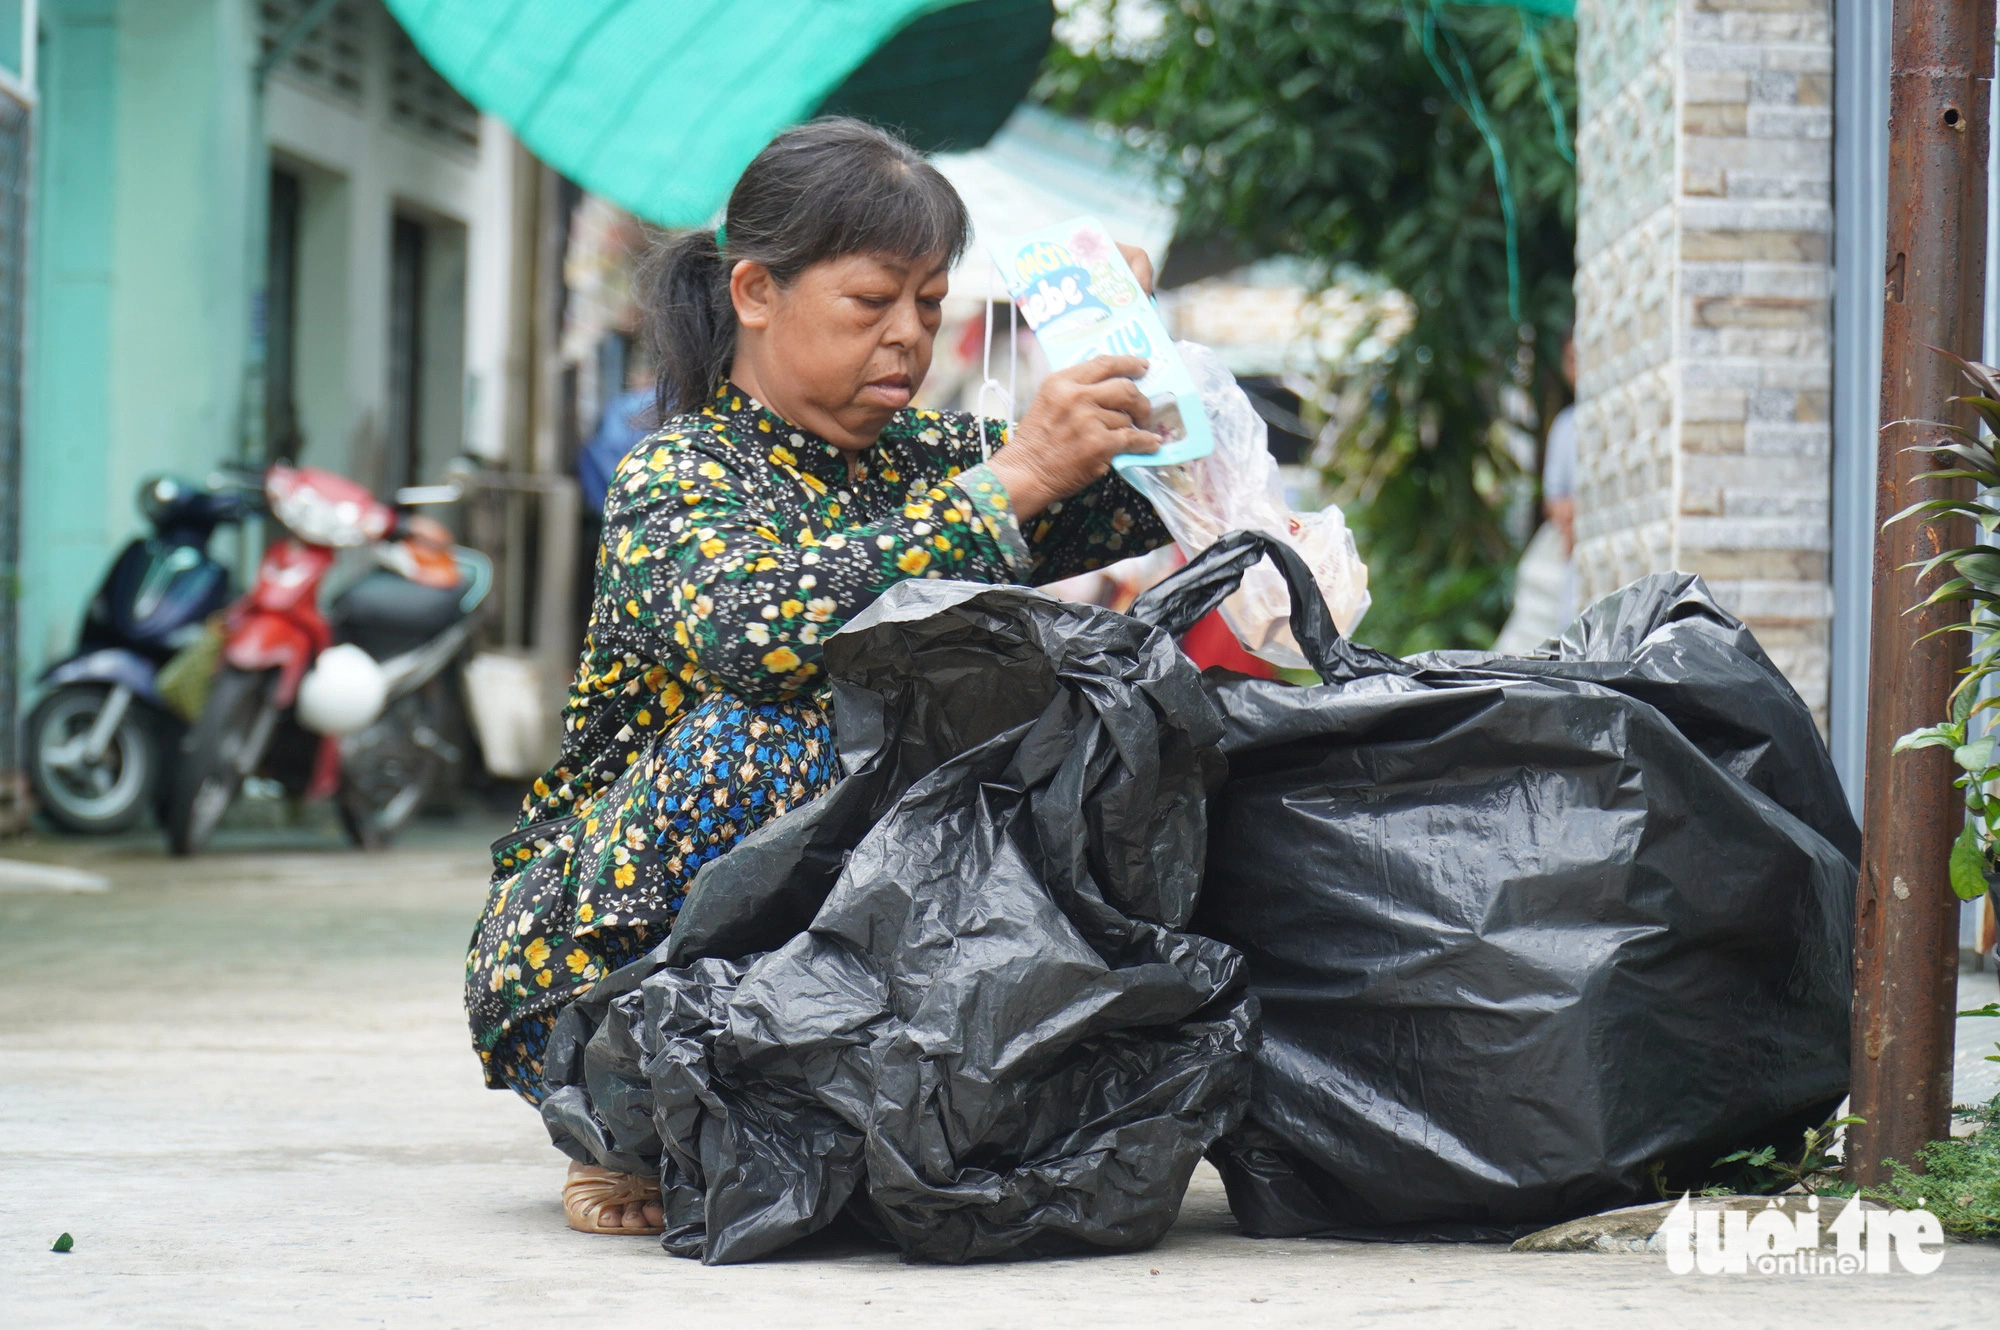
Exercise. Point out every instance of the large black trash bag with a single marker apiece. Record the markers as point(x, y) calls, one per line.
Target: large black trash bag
point(1521, 928)
point(952, 996)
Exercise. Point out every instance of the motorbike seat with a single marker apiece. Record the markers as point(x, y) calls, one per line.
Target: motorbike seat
point(387, 615)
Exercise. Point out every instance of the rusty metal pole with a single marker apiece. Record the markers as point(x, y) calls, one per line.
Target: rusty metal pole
point(1906, 936)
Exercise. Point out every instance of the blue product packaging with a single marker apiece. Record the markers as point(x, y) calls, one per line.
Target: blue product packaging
point(1081, 300)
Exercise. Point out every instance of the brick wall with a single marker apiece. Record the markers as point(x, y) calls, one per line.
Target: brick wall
point(1704, 313)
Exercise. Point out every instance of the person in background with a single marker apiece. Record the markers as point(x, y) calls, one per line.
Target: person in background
point(1545, 586)
point(790, 484)
point(627, 418)
point(1559, 462)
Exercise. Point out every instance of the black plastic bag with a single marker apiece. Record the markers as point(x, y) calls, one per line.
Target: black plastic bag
point(952, 996)
point(1521, 929)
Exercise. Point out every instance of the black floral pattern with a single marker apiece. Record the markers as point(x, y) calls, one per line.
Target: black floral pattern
point(734, 545)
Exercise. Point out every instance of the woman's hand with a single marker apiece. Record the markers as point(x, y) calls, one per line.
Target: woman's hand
point(1141, 264)
point(1082, 418)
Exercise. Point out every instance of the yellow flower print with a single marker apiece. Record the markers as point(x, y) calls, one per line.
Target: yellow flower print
point(713, 470)
point(941, 542)
point(913, 560)
point(917, 510)
point(544, 978)
point(814, 483)
point(584, 913)
point(577, 960)
point(711, 547)
point(790, 609)
point(784, 456)
point(889, 474)
point(680, 632)
point(625, 875)
point(782, 661)
point(537, 952)
point(632, 608)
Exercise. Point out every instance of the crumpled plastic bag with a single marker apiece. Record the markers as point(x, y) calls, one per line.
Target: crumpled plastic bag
point(1522, 929)
point(953, 997)
point(1237, 487)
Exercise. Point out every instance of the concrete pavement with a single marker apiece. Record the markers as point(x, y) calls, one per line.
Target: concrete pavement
point(242, 1083)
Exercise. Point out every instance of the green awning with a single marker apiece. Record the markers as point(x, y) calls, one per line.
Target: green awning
point(659, 104)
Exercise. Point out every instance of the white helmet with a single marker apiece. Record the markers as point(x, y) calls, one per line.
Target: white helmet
point(343, 692)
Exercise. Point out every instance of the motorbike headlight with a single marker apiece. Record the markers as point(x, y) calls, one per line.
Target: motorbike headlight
point(323, 509)
point(158, 495)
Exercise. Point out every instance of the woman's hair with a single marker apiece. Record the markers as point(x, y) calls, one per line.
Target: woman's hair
point(824, 189)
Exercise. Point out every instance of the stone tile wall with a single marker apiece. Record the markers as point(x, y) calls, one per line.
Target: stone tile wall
point(1704, 310)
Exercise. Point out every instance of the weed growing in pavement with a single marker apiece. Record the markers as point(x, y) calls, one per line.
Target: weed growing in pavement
point(1960, 1183)
point(1815, 1169)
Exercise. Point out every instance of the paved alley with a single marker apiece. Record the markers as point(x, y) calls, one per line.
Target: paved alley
point(242, 1083)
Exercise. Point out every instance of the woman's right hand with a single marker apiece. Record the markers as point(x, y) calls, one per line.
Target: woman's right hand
point(1080, 419)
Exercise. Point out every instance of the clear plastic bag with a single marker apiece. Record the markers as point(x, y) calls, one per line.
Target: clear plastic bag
point(1238, 488)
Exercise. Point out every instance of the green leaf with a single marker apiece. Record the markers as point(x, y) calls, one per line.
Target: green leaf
point(1975, 756)
point(1932, 736)
point(1983, 568)
point(1962, 704)
point(1968, 865)
point(64, 1243)
point(1930, 506)
point(1990, 1009)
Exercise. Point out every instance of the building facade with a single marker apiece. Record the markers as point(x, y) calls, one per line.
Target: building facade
point(1705, 283)
point(388, 288)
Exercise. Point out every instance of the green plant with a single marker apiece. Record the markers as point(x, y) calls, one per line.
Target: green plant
point(1960, 1182)
point(1360, 135)
point(1968, 455)
point(1813, 1169)
point(1990, 1009)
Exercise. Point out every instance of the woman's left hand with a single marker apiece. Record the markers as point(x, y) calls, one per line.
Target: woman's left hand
point(1142, 266)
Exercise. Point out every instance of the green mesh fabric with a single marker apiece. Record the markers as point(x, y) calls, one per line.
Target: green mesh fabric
point(1549, 8)
point(659, 104)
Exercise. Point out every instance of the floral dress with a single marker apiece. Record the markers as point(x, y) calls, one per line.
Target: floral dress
point(734, 545)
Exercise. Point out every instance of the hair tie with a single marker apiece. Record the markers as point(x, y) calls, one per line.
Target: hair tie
point(721, 236)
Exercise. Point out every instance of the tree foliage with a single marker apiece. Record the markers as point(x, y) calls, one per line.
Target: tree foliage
point(1324, 129)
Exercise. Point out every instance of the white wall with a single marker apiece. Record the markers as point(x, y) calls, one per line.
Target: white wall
point(361, 170)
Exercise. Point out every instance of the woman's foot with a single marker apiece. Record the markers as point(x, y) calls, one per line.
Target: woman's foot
point(596, 1200)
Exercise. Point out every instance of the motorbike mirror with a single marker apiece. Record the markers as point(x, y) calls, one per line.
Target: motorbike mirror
point(412, 495)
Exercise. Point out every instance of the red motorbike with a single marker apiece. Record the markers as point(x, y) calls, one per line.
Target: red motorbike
point(355, 702)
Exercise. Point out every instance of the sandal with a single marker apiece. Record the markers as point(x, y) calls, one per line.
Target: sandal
point(589, 1191)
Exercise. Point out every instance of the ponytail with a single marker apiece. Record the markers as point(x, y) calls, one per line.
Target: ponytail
point(690, 323)
point(819, 191)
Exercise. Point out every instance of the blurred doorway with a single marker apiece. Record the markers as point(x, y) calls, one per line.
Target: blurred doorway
point(425, 415)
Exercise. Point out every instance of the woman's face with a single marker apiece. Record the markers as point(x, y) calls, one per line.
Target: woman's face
point(844, 346)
